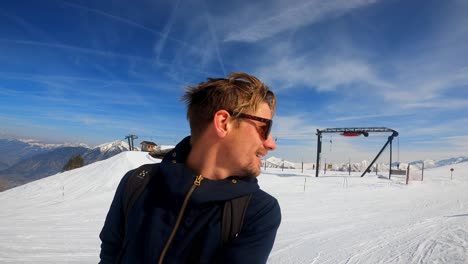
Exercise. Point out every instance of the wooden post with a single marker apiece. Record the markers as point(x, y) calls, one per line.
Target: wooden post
point(305, 178)
point(390, 171)
point(349, 168)
point(407, 174)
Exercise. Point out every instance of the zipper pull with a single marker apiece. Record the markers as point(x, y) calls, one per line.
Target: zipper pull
point(198, 180)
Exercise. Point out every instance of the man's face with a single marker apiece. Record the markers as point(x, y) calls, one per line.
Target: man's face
point(247, 145)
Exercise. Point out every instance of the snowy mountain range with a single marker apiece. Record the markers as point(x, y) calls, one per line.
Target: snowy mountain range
point(23, 160)
point(14, 150)
point(29, 160)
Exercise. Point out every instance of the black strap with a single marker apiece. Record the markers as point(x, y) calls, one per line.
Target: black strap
point(233, 217)
point(136, 184)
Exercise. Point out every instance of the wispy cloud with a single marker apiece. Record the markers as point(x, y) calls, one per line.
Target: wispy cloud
point(48, 39)
point(426, 87)
point(360, 117)
point(460, 143)
point(126, 21)
point(438, 103)
point(159, 46)
point(148, 62)
point(71, 79)
point(289, 15)
point(327, 74)
point(215, 40)
point(427, 130)
point(74, 49)
point(294, 127)
point(435, 148)
point(417, 84)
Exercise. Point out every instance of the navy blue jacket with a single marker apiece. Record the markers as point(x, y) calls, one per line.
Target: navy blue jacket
point(198, 238)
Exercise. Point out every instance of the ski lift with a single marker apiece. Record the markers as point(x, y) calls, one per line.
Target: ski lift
point(355, 132)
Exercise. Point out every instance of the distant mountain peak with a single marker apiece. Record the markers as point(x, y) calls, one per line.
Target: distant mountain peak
point(40, 144)
point(114, 145)
point(105, 151)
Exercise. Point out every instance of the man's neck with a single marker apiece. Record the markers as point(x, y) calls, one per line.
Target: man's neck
point(205, 161)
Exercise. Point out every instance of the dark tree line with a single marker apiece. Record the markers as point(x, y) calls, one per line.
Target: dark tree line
point(73, 163)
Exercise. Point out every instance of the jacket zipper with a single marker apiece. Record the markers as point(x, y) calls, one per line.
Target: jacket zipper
point(196, 183)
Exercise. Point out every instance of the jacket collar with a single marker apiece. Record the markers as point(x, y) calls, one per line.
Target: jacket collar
point(180, 153)
point(176, 175)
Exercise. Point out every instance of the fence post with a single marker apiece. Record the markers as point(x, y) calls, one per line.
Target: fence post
point(422, 172)
point(407, 174)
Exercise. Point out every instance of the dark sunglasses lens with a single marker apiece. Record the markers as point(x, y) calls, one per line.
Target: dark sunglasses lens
point(266, 131)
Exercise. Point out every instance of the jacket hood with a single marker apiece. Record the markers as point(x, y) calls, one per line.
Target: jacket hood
point(178, 179)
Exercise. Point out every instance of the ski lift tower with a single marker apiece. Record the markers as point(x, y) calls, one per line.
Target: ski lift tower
point(130, 141)
point(355, 132)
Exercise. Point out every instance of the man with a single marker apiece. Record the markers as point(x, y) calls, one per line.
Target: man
point(178, 217)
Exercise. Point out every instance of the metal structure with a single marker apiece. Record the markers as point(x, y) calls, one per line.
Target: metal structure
point(130, 139)
point(357, 131)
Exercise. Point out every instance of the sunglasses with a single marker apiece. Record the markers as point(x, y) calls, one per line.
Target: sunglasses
point(264, 131)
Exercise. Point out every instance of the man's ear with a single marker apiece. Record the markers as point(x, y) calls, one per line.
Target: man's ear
point(221, 123)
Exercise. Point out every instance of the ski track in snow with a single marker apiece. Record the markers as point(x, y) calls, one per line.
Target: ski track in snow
point(336, 219)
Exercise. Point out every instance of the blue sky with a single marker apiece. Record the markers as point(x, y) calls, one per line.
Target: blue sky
point(96, 71)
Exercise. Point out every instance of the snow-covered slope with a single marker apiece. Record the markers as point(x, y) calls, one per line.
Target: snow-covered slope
point(48, 159)
point(329, 219)
point(58, 219)
point(349, 219)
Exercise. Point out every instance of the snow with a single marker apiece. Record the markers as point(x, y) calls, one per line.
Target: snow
point(118, 145)
point(340, 219)
point(334, 218)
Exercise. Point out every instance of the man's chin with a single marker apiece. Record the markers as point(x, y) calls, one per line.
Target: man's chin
point(252, 173)
point(256, 173)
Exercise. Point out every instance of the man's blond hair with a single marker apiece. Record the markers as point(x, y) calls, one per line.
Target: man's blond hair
point(239, 92)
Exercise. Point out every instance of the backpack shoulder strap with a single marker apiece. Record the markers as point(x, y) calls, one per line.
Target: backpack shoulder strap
point(233, 217)
point(136, 183)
